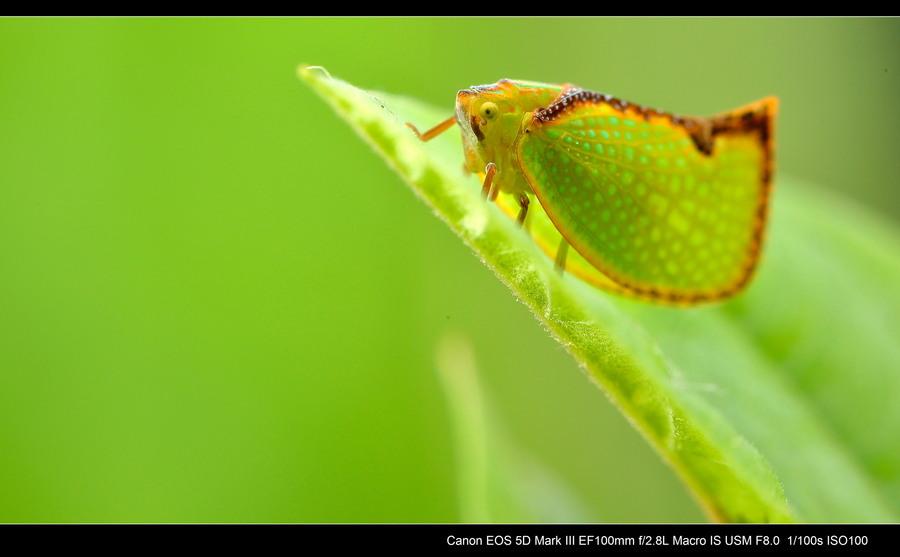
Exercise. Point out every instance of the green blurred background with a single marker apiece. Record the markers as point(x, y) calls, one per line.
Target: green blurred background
point(217, 304)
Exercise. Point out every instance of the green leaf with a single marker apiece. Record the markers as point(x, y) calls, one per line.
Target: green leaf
point(779, 405)
point(497, 481)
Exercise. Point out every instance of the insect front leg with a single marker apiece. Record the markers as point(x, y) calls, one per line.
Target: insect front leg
point(435, 131)
point(489, 189)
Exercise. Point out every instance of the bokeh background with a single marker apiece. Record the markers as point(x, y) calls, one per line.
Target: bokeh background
point(217, 304)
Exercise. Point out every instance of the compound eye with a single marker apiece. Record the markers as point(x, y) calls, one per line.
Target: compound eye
point(489, 111)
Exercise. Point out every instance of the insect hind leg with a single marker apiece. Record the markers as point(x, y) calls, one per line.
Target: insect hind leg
point(523, 203)
point(561, 253)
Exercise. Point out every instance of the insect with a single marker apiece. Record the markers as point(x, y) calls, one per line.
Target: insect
point(657, 206)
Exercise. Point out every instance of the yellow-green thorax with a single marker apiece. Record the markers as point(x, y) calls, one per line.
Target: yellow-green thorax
point(492, 119)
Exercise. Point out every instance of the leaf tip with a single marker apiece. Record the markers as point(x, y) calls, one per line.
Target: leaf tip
point(304, 72)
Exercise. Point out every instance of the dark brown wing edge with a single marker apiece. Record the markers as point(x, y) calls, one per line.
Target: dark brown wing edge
point(756, 119)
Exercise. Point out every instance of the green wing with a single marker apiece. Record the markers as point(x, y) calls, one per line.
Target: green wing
point(634, 192)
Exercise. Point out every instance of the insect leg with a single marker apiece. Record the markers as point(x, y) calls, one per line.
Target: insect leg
point(435, 131)
point(495, 191)
point(561, 253)
point(489, 171)
point(523, 203)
